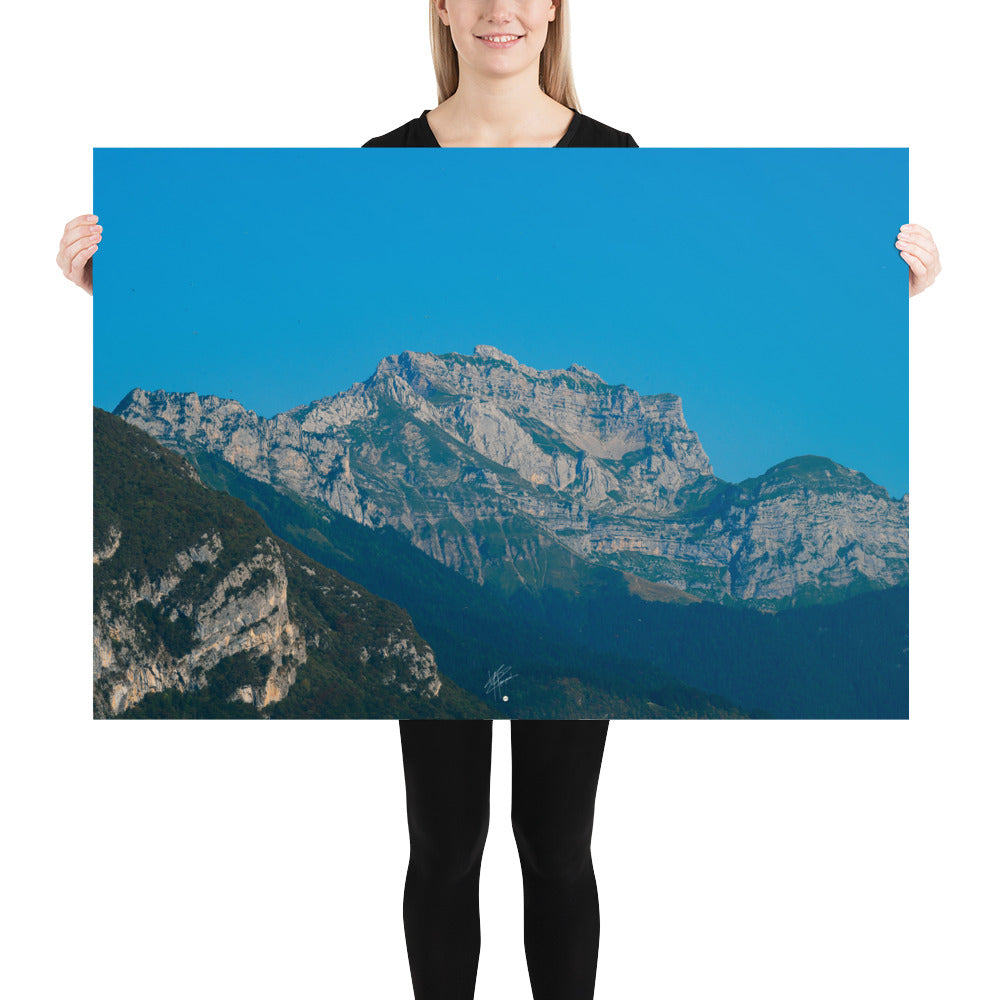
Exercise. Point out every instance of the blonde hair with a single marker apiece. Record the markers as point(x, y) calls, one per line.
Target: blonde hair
point(555, 75)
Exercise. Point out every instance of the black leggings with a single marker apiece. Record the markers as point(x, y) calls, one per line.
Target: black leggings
point(555, 767)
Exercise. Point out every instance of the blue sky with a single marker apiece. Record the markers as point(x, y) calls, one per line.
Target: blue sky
point(760, 285)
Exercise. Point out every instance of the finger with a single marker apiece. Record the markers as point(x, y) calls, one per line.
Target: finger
point(922, 265)
point(68, 253)
point(913, 227)
point(924, 256)
point(930, 257)
point(916, 240)
point(79, 262)
point(81, 220)
point(78, 232)
point(71, 253)
point(916, 264)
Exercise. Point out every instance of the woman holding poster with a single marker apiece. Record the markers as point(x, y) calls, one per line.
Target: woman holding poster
point(504, 80)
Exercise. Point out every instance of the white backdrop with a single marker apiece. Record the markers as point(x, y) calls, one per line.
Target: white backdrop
point(224, 859)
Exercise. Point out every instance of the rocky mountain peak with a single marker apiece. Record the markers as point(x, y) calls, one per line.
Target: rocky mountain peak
point(494, 354)
point(816, 473)
point(586, 373)
point(486, 370)
point(488, 353)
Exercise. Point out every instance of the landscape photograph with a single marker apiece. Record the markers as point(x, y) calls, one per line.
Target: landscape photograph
point(390, 434)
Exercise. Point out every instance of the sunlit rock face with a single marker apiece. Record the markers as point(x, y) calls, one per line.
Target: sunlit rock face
point(514, 475)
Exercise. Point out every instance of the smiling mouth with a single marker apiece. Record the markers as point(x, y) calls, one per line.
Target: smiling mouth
point(499, 39)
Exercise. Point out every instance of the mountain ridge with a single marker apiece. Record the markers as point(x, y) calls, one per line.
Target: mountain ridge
point(508, 473)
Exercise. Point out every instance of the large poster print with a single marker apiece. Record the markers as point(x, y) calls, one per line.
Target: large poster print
point(501, 434)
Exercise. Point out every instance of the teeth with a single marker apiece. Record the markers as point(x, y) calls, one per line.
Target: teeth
point(500, 38)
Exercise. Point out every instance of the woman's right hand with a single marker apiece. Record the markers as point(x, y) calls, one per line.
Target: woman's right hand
point(77, 248)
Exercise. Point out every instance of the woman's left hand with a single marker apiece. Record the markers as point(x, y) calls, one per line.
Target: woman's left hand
point(916, 246)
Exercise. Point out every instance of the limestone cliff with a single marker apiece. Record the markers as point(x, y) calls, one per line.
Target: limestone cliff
point(245, 611)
